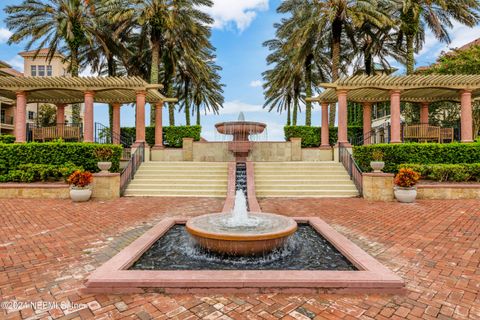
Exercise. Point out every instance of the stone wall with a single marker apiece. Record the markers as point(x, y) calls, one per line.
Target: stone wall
point(106, 186)
point(212, 152)
point(34, 191)
point(378, 186)
point(448, 191)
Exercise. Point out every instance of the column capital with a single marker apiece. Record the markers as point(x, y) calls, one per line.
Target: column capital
point(465, 91)
point(324, 104)
point(159, 104)
point(342, 92)
point(141, 93)
point(20, 93)
point(367, 104)
point(89, 93)
point(116, 104)
point(395, 92)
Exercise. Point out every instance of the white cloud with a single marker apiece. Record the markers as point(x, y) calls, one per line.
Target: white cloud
point(236, 106)
point(237, 13)
point(16, 62)
point(256, 83)
point(4, 35)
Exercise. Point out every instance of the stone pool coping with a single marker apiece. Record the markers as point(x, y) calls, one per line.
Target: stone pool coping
point(371, 277)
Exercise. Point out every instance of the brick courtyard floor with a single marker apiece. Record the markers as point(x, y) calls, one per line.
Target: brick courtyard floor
point(49, 247)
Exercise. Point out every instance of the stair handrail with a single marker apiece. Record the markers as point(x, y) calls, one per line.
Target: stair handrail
point(352, 167)
point(104, 134)
point(128, 173)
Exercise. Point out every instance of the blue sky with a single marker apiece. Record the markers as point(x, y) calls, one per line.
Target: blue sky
point(239, 31)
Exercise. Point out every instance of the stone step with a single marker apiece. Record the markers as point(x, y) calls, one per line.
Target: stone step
point(313, 194)
point(173, 193)
point(322, 180)
point(170, 175)
point(306, 187)
point(181, 165)
point(298, 171)
point(326, 176)
point(181, 187)
point(187, 181)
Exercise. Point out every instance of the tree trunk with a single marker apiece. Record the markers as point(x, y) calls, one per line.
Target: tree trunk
point(155, 62)
point(368, 64)
point(336, 39)
point(187, 102)
point(171, 107)
point(198, 114)
point(74, 69)
point(289, 112)
point(410, 54)
point(111, 73)
point(295, 111)
point(308, 90)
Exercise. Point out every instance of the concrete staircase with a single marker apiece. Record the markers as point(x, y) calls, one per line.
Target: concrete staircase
point(180, 179)
point(303, 179)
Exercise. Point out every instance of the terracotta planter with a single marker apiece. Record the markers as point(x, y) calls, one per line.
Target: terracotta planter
point(104, 166)
point(377, 166)
point(78, 194)
point(405, 195)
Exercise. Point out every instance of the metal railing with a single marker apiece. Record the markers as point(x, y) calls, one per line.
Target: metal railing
point(136, 159)
point(354, 171)
point(104, 134)
point(6, 120)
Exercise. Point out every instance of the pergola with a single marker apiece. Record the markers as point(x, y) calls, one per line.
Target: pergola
point(422, 89)
point(62, 91)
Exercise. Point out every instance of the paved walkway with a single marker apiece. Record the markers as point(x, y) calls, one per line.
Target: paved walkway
point(48, 248)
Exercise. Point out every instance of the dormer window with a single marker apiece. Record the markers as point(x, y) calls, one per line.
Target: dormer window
point(33, 71)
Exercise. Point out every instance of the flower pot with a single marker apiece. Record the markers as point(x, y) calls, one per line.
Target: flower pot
point(104, 166)
point(80, 194)
point(405, 195)
point(377, 166)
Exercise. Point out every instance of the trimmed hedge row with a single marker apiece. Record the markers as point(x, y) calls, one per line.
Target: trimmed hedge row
point(311, 135)
point(7, 138)
point(38, 172)
point(172, 136)
point(56, 153)
point(447, 172)
point(421, 153)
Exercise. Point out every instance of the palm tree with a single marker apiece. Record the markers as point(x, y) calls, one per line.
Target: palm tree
point(208, 93)
point(169, 25)
point(437, 15)
point(52, 24)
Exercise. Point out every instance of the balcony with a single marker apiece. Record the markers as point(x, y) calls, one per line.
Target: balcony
point(6, 121)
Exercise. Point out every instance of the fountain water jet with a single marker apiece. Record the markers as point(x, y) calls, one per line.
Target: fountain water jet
point(241, 232)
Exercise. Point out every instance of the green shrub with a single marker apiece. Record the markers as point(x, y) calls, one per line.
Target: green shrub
point(7, 138)
point(54, 153)
point(462, 172)
point(311, 135)
point(420, 153)
point(172, 136)
point(39, 172)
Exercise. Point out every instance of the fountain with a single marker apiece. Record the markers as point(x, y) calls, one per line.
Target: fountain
point(241, 131)
point(241, 233)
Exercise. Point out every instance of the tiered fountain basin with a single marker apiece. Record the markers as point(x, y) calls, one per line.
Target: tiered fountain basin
point(270, 233)
point(124, 272)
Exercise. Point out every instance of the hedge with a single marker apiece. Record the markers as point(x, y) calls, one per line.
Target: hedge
point(447, 172)
point(7, 138)
point(172, 136)
point(38, 172)
point(421, 153)
point(311, 135)
point(56, 153)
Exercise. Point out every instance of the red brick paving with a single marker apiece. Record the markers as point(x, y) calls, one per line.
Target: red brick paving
point(48, 248)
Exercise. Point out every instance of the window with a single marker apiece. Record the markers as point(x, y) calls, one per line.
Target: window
point(31, 115)
point(41, 71)
point(33, 71)
point(3, 116)
point(49, 71)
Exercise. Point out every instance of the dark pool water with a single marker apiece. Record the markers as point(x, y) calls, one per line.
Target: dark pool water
point(305, 250)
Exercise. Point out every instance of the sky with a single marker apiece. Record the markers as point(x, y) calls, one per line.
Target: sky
point(240, 28)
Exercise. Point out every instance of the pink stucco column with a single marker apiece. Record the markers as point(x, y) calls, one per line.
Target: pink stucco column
point(60, 113)
point(342, 117)
point(140, 118)
point(395, 136)
point(325, 137)
point(158, 126)
point(116, 123)
point(88, 117)
point(424, 113)
point(466, 116)
point(21, 117)
point(367, 122)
